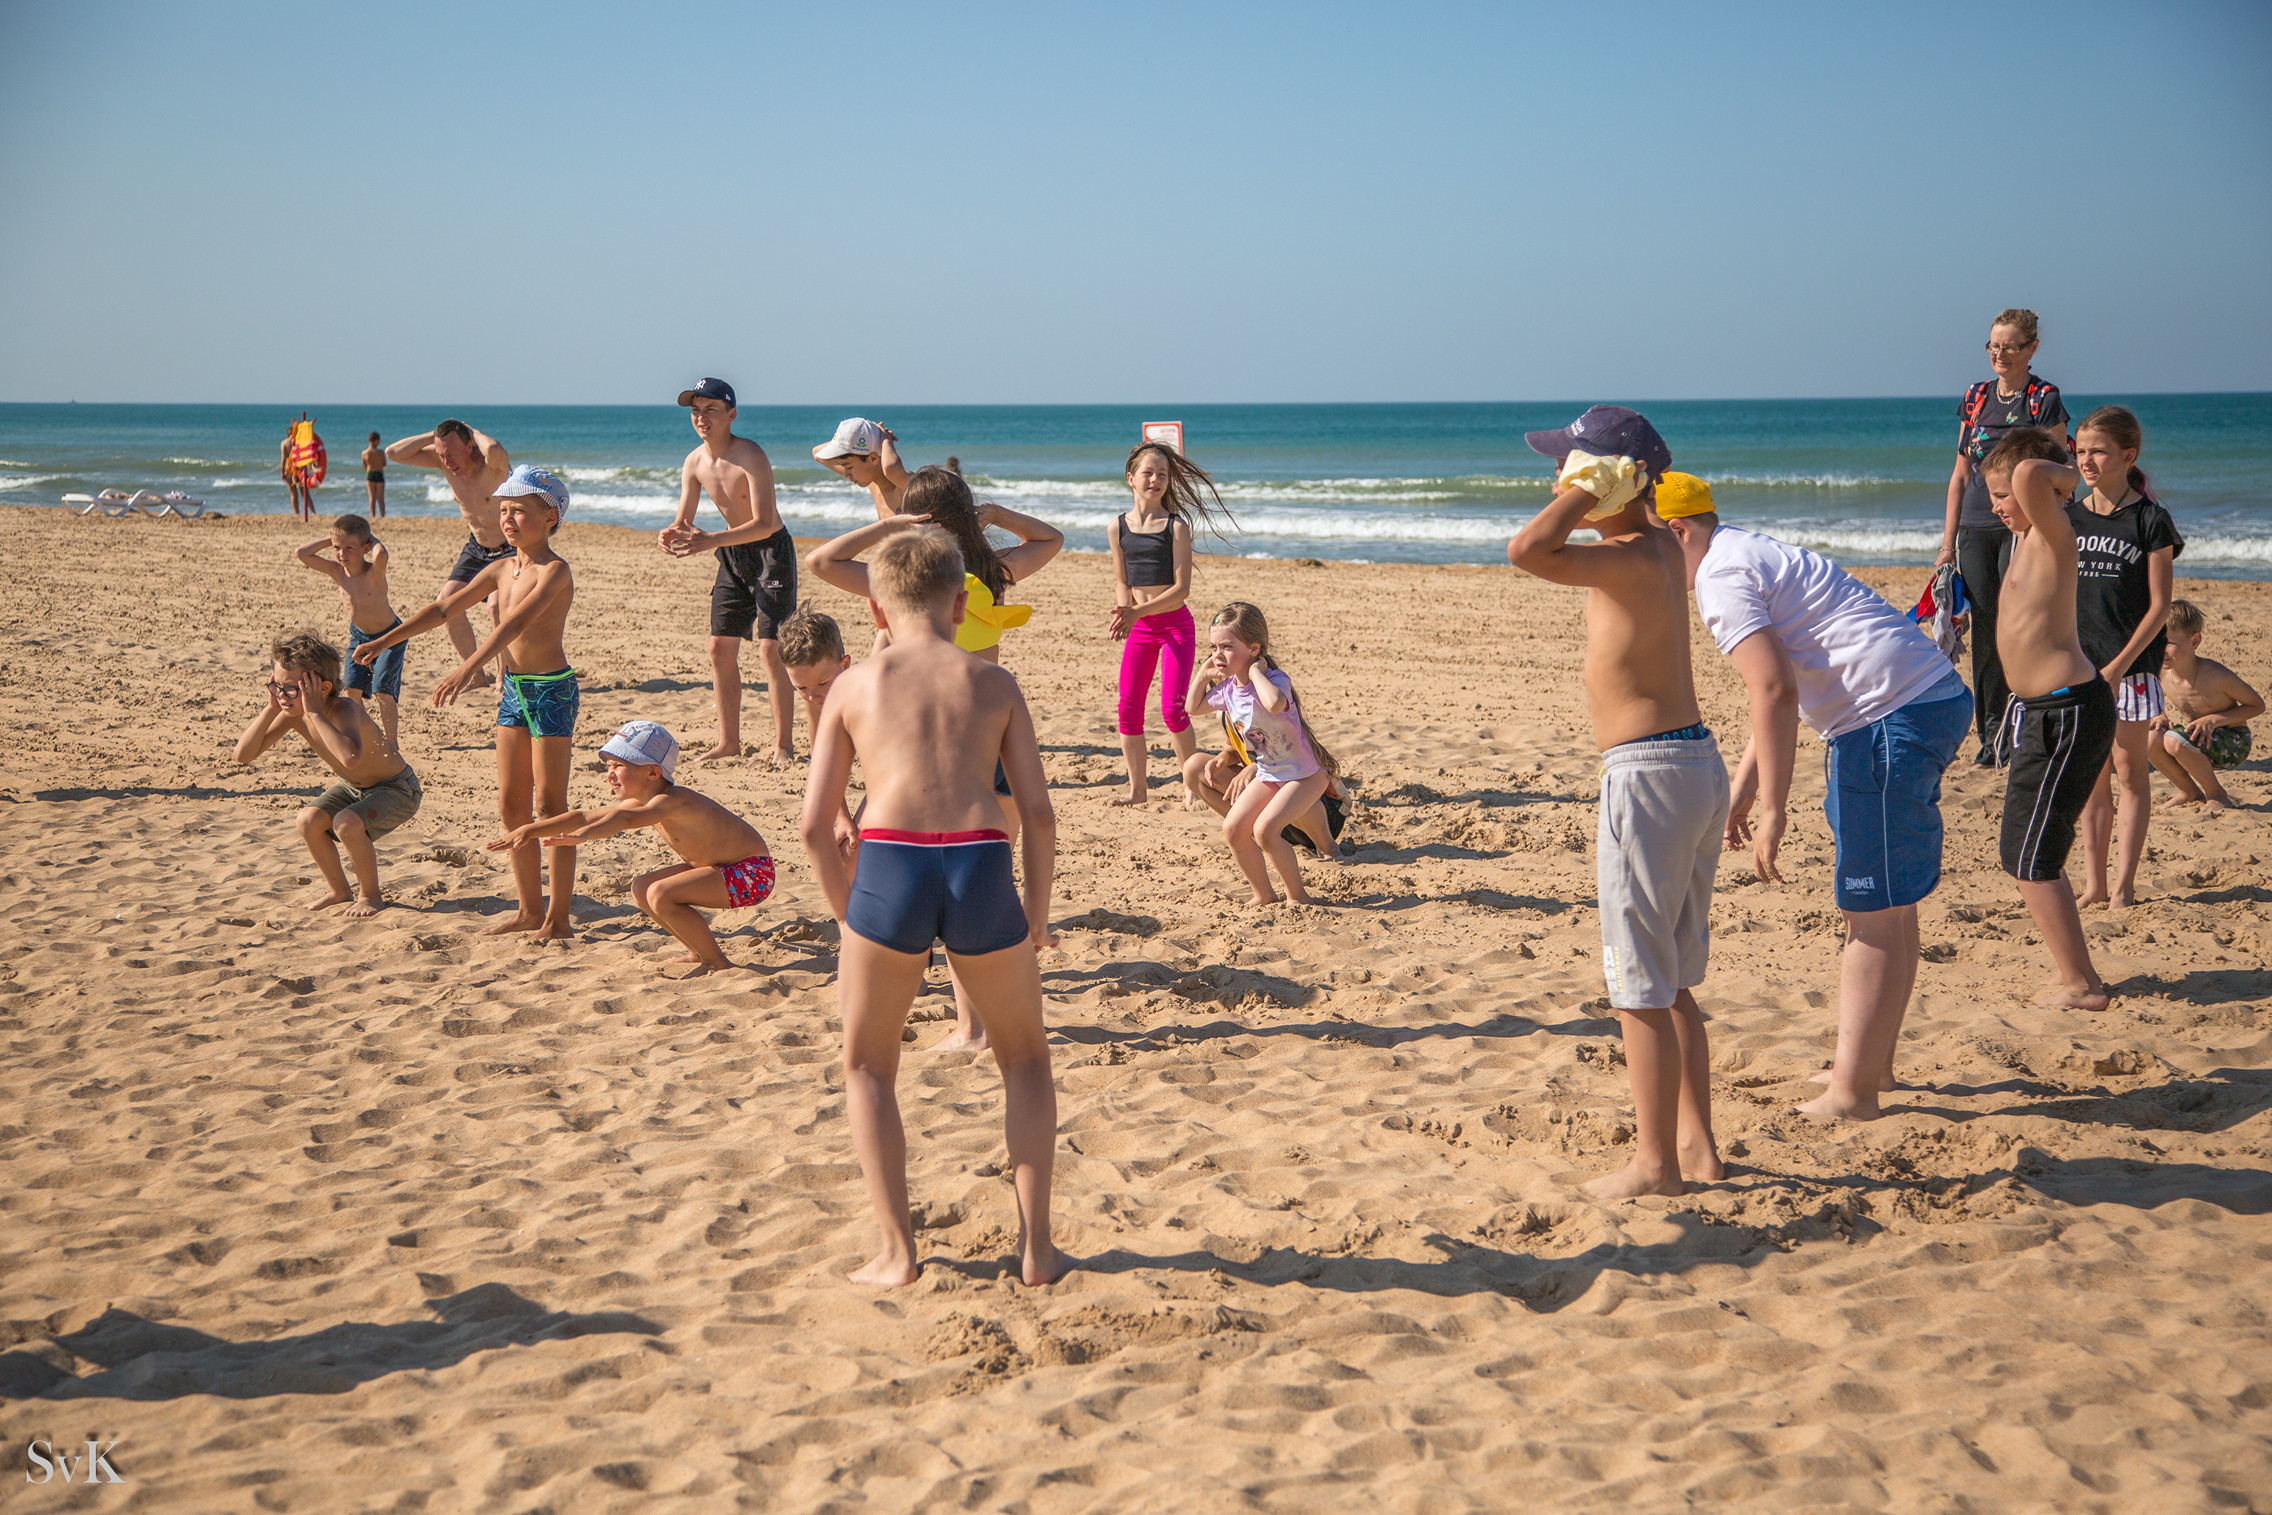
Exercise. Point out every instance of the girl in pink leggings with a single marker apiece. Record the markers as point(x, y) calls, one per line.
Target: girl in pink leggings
point(1151, 566)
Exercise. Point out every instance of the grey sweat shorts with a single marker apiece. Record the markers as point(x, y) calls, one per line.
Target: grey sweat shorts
point(382, 807)
point(1664, 808)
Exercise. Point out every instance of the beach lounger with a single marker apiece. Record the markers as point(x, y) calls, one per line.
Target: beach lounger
point(118, 502)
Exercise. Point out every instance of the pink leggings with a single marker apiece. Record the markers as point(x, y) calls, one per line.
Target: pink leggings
point(1171, 633)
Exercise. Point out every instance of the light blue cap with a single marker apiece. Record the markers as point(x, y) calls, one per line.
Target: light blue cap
point(641, 743)
point(527, 479)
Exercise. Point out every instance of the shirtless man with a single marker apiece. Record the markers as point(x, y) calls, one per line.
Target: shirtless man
point(2062, 723)
point(537, 707)
point(866, 453)
point(757, 564)
point(375, 477)
point(475, 464)
point(928, 722)
point(1664, 790)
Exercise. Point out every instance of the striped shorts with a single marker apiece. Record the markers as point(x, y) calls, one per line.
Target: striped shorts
point(2061, 741)
point(2138, 697)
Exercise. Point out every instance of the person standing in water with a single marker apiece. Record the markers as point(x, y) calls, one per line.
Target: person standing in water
point(375, 477)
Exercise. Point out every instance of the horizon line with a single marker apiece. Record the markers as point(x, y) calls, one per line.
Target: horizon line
point(1088, 404)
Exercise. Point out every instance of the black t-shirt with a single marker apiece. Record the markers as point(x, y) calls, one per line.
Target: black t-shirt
point(2111, 592)
point(1977, 435)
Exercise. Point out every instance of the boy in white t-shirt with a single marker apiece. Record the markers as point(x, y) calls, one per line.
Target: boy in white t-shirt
point(1813, 641)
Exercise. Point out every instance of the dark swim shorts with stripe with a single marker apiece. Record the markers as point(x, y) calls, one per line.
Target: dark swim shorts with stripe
point(917, 887)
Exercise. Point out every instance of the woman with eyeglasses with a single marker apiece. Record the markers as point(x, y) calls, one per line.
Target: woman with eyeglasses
point(1971, 536)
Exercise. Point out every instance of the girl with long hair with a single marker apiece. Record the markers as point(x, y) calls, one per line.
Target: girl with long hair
point(1292, 767)
point(1151, 573)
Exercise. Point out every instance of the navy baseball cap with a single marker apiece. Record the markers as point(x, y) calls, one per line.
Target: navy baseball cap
point(708, 389)
point(1607, 431)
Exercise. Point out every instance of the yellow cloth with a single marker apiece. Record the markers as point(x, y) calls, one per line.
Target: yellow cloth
point(1613, 481)
point(983, 621)
point(1682, 494)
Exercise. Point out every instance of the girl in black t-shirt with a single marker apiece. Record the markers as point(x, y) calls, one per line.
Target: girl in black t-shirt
point(2126, 547)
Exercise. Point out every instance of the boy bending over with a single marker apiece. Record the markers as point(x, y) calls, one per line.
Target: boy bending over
point(727, 867)
point(1664, 790)
point(376, 792)
point(2061, 723)
point(928, 723)
point(812, 648)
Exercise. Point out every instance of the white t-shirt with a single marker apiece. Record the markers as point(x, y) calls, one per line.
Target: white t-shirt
point(1275, 740)
point(1857, 658)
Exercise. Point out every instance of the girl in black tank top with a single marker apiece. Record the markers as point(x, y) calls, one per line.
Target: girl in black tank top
point(1151, 560)
point(1147, 558)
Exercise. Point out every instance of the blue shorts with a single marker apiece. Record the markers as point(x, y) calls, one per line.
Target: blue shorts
point(545, 703)
point(915, 887)
point(1882, 794)
point(383, 674)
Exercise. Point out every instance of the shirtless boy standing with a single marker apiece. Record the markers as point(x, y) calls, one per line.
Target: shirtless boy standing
point(375, 477)
point(757, 563)
point(2061, 724)
point(360, 571)
point(536, 708)
point(727, 867)
point(1664, 790)
point(928, 722)
point(475, 464)
point(376, 792)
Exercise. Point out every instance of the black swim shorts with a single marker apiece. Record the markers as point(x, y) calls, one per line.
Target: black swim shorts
point(2060, 742)
point(474, 557)
point(757, 585)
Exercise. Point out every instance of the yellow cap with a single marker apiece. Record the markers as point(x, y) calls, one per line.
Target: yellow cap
point(1682, 494)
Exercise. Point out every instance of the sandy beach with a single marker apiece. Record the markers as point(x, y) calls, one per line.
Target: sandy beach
point(329, 1215)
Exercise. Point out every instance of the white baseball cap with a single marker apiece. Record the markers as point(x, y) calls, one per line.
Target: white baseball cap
point(858, 435)
point(642, 743)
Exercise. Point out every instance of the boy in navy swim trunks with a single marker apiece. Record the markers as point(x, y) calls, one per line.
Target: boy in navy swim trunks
point(538, 698)
point(359, 568)
point(2060, 725)
point(727, 867)
point(928, 722)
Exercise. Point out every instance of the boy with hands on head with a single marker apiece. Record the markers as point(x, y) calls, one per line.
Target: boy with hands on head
point(376, 792)
point(727, 867)
point(928, 723)
point(359, 567)
point(1664, 790)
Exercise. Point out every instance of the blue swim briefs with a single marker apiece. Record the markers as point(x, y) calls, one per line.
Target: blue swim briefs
point(545, 703)
point(1883, 798)
point(383, 674)
point(915, 887)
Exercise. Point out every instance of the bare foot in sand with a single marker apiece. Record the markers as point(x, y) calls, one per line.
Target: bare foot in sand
point(2212, 806)
point(959, 1040)
point(887, 1269)
point(513, 923)
point(326, 900)
point(1132, 799)
point(1701, 1161)
point(2184, 802)
point(2090, 900)
point(560, 933)
point(2070, 998)
point(1886, 1083)
point(1831, 1105)
point(362, 909)
point(783, 757)
point(722, 750)
point(2124, 899)
point(702, 969)
point(1045, 1266)
point(1632, 1181)
point(1262, 899)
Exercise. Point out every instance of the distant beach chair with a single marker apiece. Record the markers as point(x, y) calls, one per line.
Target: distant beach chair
point(119, 502)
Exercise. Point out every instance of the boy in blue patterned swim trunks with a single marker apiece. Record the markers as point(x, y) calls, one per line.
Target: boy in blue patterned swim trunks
point(536, 708)
point(727, 867)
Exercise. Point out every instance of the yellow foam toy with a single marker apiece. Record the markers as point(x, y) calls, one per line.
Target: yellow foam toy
point(983, 621)
point(1613, 481)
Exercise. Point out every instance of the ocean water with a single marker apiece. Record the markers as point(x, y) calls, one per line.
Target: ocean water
point(1861, 480)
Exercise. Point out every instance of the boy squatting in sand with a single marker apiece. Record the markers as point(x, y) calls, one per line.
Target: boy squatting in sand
point(2212, 706)
point(756, 587)
point(360, 570)
point(2062, 709)
point(928, 722)
point(537, 699)
point(1664, 790)
point(727, 867)
point(376, 792)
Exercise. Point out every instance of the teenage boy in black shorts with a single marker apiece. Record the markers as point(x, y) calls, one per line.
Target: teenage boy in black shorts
point(757, 563)
point(2061, 723)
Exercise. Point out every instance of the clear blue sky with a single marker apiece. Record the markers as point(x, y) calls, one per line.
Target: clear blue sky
point(573, 202)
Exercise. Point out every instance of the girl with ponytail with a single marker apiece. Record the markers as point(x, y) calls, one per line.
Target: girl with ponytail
point(2126, 549)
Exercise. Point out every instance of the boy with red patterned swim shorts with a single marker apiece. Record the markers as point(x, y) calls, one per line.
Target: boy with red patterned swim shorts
point(727, 867)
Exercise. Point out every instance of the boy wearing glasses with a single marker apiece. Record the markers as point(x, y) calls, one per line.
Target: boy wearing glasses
point(377, 791)
point(757, 563)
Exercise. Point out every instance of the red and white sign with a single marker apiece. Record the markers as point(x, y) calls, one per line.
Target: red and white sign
point(1168, 433)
